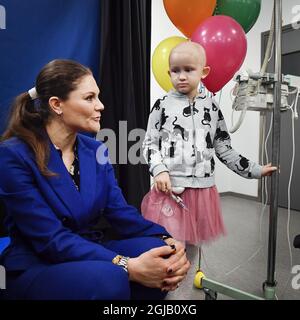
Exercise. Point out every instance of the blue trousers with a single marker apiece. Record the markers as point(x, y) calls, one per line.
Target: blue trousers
point(85, 280)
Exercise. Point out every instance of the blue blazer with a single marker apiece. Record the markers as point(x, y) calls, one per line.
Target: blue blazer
point(46, 217)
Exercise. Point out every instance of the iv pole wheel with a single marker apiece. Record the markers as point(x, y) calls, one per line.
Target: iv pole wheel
point(210, 294)
point(269, 291)
point(198, 279)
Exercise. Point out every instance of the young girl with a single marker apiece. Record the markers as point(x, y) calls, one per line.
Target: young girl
point(185, 129)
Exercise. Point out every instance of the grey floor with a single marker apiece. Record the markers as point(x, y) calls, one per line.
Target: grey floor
point(239, 259)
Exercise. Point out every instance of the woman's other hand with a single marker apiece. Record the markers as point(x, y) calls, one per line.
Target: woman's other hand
point(178, 268)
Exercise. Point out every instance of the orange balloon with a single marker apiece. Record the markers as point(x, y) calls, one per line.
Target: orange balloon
point(186, 15)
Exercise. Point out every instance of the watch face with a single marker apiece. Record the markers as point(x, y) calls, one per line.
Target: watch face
point(116, 259)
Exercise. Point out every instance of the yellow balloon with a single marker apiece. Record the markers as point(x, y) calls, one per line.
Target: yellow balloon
point(160, 61)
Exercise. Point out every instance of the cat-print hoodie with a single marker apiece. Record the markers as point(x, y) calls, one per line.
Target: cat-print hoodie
point(182, 138)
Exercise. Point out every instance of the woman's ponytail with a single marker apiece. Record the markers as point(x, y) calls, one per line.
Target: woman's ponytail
point(27, 122)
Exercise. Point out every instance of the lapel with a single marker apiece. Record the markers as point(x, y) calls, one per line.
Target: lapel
point(87, 167)
point(63, 184)
point(78, 203)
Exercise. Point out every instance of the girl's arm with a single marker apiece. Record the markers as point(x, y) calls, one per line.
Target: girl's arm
point(151, 144)
point(231, 158)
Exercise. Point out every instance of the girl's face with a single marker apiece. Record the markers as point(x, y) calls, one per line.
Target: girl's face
point(186, 71)
point(82, 110)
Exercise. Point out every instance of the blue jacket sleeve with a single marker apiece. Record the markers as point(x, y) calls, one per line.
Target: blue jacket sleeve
point(35, 219)
point(125, 218)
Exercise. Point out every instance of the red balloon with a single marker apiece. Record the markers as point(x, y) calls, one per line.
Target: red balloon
point(225, 43)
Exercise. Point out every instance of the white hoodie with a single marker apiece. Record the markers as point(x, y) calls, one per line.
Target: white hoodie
point(183, 142)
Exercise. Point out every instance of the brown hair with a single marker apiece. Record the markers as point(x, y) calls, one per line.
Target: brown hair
point(29, 117)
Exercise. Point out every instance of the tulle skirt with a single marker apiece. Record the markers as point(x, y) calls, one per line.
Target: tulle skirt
point(200, 221)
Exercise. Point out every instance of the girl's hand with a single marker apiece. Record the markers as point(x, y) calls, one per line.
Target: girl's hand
point(162, 182)
point(268, 170)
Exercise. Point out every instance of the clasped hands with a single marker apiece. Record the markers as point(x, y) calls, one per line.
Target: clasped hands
point(163, 267)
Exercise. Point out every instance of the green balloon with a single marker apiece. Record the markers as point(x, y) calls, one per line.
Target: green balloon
point(245, 12)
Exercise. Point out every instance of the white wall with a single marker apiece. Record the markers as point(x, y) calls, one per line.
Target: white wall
point(246, 139)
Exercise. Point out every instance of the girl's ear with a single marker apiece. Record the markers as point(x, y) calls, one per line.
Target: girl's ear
point(205, 72)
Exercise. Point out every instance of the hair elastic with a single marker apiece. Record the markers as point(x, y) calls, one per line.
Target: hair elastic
point(32, 92)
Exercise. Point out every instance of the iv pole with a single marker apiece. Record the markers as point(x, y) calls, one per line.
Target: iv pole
point(270, 283)
point(210, 286)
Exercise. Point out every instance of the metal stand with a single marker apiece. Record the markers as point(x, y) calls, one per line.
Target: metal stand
point(270, 284)
point(211, 287)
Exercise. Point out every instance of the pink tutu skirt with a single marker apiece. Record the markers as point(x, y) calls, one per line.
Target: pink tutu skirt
point(200, 222)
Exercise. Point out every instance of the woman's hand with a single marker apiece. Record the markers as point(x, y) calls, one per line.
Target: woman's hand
point(178, 268)
point(267, 170)
point(153, 269)
point(162, 182)
point(150, 268)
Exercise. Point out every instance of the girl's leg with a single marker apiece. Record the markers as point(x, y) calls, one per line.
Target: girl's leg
point(192, 252)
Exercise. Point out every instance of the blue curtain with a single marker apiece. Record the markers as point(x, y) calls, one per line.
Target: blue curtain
point(38, 31)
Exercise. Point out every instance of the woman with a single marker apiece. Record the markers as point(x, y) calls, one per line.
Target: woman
point(54, 189)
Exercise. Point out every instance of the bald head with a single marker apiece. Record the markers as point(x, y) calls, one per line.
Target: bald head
point(191, 48)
